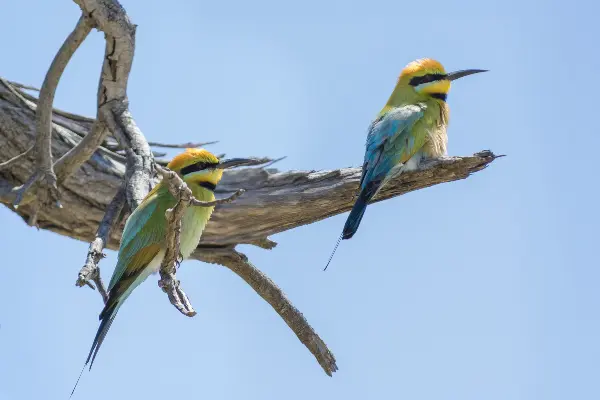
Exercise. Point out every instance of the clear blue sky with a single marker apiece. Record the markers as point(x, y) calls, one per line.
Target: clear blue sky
point(481, 289)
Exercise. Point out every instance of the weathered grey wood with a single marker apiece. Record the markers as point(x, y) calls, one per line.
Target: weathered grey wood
point(112, 114)
point(274, 201)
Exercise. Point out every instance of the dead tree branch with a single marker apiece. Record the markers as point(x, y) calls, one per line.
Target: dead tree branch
point(44, 173)
point(72, 160)
point(90, 175)
point(168, 281)
point(113, 115)
point(188, 145)
point(273, 202)
point(263, 285)
point(23, 86)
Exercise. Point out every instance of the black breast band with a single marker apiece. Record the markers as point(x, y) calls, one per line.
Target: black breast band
point(440, 96)
point(208, 185)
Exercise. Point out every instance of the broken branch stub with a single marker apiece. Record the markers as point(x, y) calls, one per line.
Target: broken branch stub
point(91, 270)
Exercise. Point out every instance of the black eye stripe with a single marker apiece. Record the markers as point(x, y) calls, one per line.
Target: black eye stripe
point(417, 80)
point(196, 167)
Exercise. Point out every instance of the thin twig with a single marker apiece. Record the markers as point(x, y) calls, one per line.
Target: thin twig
point(197, 203)
point(78, 155)
point(267, 165)
point(155, 154)
point(91, 270)
point(188, 145)
point(19, 95)
point(21, 190)
point(13, 160)
point(22, 86)
point(252, 161)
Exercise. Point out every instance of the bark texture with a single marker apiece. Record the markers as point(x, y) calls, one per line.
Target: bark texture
point(274, 201)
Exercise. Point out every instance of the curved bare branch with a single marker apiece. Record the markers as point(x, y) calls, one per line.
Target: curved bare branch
point(44, 173)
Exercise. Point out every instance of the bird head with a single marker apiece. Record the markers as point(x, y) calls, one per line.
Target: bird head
point(424, 79)
point(202, 167)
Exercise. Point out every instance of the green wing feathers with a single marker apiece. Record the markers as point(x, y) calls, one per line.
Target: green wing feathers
point(145, 228)
point(141, 241)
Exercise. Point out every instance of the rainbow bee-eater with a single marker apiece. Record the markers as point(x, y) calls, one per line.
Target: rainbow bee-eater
point(411, 127)
point(143, 244)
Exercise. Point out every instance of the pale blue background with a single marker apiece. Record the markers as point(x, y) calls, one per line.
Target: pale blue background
point(480, 289)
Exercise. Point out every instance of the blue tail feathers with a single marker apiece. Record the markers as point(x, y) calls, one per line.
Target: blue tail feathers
point(355, 216)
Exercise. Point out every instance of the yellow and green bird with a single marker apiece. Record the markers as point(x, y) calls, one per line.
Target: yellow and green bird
point(143, 241)
point(410, 127)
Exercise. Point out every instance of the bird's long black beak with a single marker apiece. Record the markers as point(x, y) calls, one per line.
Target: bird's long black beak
point(463, 72)
point(235, 162)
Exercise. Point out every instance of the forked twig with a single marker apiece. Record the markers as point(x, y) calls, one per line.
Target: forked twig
point(181, 146)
